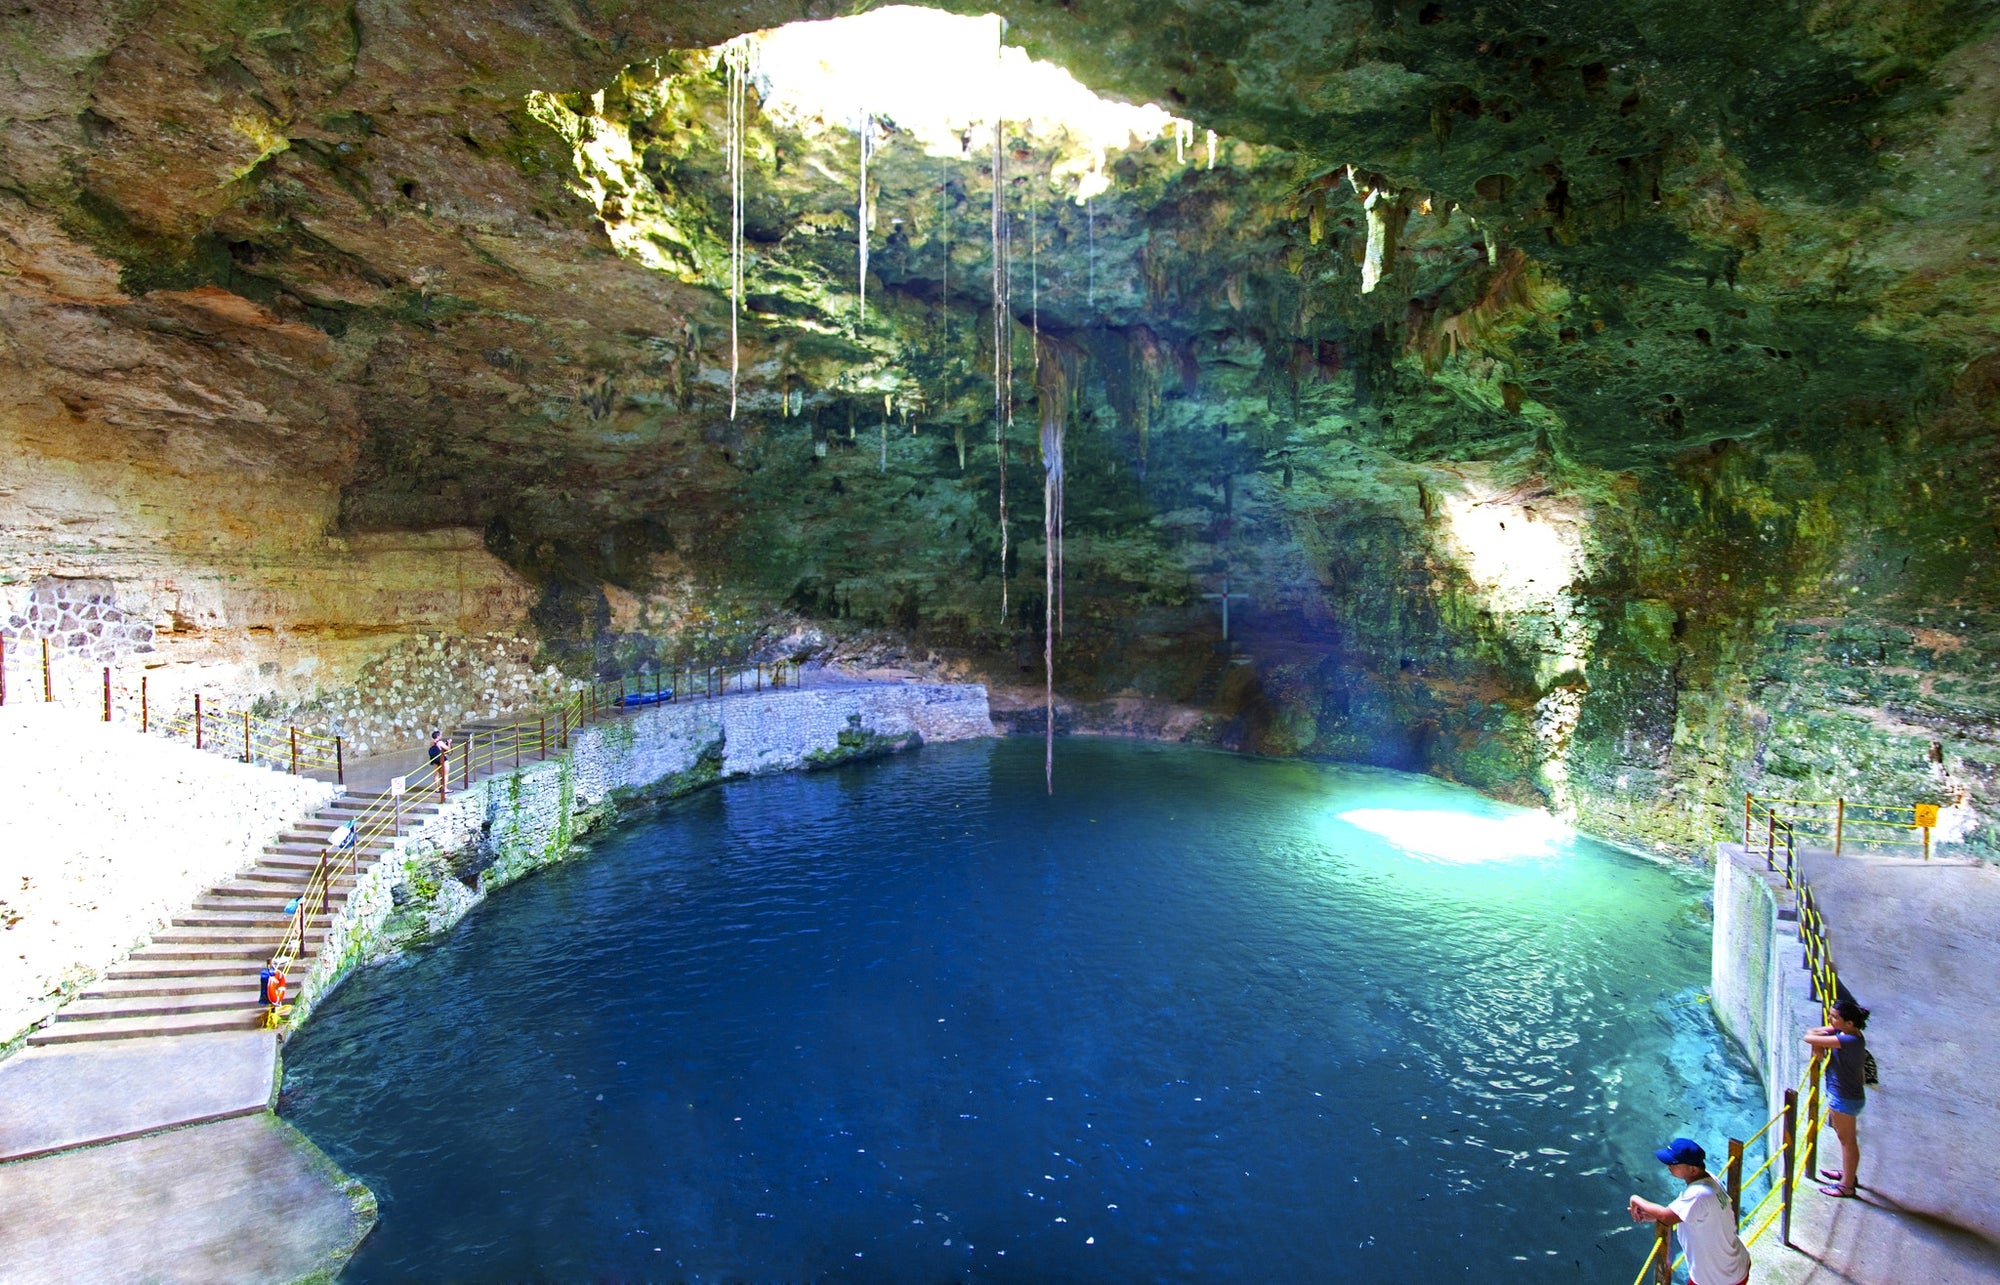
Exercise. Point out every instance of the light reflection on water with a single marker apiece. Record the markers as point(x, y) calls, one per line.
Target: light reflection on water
point(914, 1021)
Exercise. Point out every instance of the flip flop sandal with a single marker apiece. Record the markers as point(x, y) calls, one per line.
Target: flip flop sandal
point(1831, 1175)
point(1837, 1193)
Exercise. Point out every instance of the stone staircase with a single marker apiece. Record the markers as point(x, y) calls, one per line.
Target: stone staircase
point(200, 973)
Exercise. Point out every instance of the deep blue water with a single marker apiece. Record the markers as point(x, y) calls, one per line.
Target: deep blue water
point(1196, 1017)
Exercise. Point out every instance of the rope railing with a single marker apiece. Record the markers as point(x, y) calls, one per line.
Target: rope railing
point(1842, 823)
point(114, 697)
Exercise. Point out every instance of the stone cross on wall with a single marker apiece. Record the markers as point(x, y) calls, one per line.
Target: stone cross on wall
point(1224, 598)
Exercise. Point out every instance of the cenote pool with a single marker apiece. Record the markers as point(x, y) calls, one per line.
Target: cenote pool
point(1195, 1017)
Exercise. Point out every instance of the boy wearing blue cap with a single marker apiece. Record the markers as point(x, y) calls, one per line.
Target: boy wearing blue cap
point(1703, 1216)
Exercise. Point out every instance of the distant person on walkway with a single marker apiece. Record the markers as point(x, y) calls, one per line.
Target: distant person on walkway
point(1846, 1088)
point(440, 747)
point(1702, 1215)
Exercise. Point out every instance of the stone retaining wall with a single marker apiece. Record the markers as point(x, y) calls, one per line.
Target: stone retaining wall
point(511, 824)
point(1761, 993)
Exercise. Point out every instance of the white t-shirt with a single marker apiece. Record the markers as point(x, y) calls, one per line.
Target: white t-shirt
point(1714, 1251)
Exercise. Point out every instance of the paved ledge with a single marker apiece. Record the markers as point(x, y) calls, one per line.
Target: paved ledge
point(1914, 942)
point(247, 1199)
point(71, 1095)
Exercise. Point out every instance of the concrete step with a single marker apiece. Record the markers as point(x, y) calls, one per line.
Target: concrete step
point(239, 978)
point(230, 946)
point(305, 857)
point(126, 1028)
point(346, 809)
point(265, 900)
point(251, 918)
point(245, 935)
point(126, 1005)
point(182, 967)
point(316, 842)
point(312, 852)
point(256, 885)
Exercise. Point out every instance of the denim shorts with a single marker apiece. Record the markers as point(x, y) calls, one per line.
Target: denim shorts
point(1846, 1106)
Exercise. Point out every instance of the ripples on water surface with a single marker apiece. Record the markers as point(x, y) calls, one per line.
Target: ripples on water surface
point(1198, 1016)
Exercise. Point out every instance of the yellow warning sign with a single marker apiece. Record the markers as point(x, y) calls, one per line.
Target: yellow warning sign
point(1926, 815)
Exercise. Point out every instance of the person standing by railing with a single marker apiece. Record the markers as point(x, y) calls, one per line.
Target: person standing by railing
point(440, 756)
point(1846, 1088)
point(1701, 1214)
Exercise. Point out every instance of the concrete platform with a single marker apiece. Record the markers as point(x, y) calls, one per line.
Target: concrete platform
point(246, 1199)
point(67, 1095)
point(1915, 943)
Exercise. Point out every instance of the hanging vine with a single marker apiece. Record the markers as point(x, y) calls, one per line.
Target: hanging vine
point(865, 127)
point(1052, 390)
point(1002, 339)
point(736, 56)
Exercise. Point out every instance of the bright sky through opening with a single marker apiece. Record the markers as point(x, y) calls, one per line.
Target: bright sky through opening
point(935, 75)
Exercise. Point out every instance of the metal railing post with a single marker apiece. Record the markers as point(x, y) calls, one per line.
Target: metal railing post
point(465, 761)
point(197, 720)
point(295, 751)
point(1733, 1178)
point(145, 715)
point(542, 735)
point(444, 768)
point(339, 765)
point(246, 736)
point(1663, 1255)
point(1789, 1139)
point(107, 693)
point(1771, 841)
point(517, 747)
point(48, 684)
point(1748, 807)
point(1839, 824)
point(1812, 1121)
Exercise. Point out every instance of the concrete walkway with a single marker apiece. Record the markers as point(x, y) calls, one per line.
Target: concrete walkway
point(70, 1095)
point(1915, 943)
point(246, 1199)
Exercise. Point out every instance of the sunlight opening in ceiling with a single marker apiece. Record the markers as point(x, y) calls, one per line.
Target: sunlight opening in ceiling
point(937, 76)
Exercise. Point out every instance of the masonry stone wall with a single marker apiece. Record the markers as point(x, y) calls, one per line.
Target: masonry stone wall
point(511, 824)
point(79, 618)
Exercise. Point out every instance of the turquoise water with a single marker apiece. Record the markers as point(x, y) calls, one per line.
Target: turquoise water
point(1196, 1017)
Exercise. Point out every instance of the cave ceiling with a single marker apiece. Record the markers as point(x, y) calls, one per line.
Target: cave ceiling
point(360, 243)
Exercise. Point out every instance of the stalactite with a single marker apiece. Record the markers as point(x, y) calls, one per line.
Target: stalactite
point(1090, 224)
point(1034, 282)
point(1386, 215)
